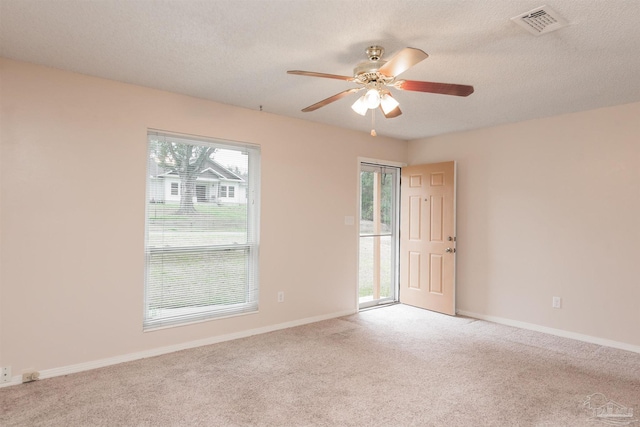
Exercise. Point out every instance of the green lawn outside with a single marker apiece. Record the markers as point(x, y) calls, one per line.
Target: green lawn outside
point(211, 277)
point(197, 278)
point(365, 287)
point(172, 277)
point(159, 211)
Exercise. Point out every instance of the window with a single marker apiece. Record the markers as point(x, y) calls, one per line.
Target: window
point(231, 193)
point(201, 258)
point(174, 189)
point(223, 191)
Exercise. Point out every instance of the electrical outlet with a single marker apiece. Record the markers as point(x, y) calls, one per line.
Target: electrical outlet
point(5, 374)
point(280, 296)
point(29, 376)
point(556, 302)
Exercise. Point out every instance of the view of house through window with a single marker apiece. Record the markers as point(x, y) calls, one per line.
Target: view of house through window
point(201, 236)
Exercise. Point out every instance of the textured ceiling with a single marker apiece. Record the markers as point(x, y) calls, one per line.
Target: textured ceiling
point(238, 51)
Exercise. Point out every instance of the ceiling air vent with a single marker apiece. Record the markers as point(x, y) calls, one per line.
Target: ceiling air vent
point(540, 20)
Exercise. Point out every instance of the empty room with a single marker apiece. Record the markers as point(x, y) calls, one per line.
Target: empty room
point(319, 213)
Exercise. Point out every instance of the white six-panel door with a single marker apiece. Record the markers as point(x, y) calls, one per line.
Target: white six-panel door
point(427, 237)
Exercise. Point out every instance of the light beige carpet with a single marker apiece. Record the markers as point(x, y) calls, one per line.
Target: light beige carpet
point(394, 366)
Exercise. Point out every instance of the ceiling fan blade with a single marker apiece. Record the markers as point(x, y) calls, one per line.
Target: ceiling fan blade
point(402, 61)
point(314, 74)
point(393, 113)
point(431, 87)
point(331, 99)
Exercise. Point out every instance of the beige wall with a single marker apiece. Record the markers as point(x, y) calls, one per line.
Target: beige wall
point(73, 200)
point(546, 207)
point(549, 208)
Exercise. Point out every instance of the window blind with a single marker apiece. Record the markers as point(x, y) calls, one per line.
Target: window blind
point(201, 249)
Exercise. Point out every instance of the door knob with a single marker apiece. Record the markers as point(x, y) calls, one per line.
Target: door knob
point(449, 250)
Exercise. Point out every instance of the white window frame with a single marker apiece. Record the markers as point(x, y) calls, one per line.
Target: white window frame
point(178, 317)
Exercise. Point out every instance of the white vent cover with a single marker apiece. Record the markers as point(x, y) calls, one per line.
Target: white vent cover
point(540, 20)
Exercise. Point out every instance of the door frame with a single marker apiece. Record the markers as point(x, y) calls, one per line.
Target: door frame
point(377, 162)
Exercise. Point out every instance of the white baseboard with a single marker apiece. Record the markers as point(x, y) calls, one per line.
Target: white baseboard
point(553, 331)
point(101, 363)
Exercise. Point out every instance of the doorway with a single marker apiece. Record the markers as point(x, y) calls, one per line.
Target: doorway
point(201, 193)
point(407, 240)
point(378, 241)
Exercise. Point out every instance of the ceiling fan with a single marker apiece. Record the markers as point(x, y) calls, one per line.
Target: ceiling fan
point(376, 76)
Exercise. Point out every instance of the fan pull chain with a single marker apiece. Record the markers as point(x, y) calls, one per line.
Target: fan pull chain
point(373, 123)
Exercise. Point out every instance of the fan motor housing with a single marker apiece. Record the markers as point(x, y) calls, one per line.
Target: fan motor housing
point(367, 72)
point(368, 67)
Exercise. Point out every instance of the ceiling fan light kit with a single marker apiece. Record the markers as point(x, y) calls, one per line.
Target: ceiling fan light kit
point(372, 98)
point(360, 106)
point(388, 103)
point(375, 75)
